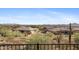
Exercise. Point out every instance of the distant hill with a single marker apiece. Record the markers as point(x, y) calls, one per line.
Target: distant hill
point(49, 26)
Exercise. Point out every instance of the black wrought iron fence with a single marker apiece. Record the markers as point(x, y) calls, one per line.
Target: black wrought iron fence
point(39, 46)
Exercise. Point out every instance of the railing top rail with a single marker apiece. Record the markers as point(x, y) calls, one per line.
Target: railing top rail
point(39, 44)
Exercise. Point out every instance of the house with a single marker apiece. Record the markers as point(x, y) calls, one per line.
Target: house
point(57, 31)
point(75, 30)
point(26, 30)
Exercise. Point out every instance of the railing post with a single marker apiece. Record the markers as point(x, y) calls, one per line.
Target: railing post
point(37, 46)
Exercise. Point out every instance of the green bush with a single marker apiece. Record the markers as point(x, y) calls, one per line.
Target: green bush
point(40, 38)
point(18, 34)
point(10, 33)
point(76, 37)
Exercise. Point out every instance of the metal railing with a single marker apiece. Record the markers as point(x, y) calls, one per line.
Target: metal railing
point(39, 46)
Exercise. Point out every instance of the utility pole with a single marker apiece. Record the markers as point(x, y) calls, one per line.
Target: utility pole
point(70, 33)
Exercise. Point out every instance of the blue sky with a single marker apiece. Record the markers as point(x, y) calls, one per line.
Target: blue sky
point(39, 15)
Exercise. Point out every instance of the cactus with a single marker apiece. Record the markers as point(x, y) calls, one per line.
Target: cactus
point(70, 32)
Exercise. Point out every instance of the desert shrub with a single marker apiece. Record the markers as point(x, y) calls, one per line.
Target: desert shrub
point(18, 34)
point(50, 34)
point(3, 32)
point(76, 37)
point(10, 33)
point(40, 38)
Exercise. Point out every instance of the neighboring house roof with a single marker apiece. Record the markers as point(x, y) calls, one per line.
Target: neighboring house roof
point(58, 29)
point(23, 28)
point(75, 29)
point(63, 30)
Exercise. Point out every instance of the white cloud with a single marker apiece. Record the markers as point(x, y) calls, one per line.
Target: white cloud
point(62, 17)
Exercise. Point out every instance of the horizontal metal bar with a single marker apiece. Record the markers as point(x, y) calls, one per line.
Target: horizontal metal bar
point(39, 44)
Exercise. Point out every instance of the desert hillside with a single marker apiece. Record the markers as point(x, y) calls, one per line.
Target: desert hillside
point(16, 34)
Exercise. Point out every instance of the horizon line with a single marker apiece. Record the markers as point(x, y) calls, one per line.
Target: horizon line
point(36, 24)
